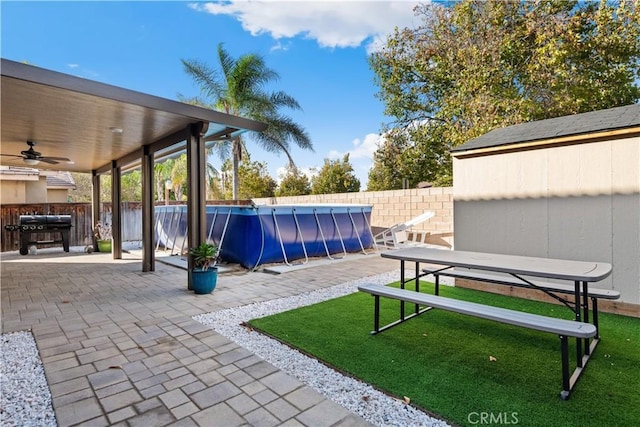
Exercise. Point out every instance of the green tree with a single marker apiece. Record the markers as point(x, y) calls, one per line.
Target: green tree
point(212, 177)
point(131, 186)
point(239, 87)
point(162, 172)
point(179, 176)
point(82, 192)
point(416, 153)
point(335, 176)
point(294, 183)
point(473, 66)
point(255, 180)
point(105, 188)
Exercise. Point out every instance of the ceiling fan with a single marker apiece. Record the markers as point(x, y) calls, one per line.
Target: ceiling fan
point(32, 157)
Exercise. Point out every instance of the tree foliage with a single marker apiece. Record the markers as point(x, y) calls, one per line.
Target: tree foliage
point(294, 183)
point(335, 176)
point(82, 192)
point(162, 172)
point(239, 87)
point(131, 186)
point(416, 153)
point(179, 177)
point(255, 180)
point(473, 66)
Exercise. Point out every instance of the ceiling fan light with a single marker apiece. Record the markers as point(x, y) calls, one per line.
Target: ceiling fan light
point(31, 162)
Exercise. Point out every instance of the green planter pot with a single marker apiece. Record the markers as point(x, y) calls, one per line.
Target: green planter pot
point(104, 245)
point(204, 282)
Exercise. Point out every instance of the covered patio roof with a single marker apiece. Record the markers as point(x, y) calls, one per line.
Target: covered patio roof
point(107, 129)
point(93, 123)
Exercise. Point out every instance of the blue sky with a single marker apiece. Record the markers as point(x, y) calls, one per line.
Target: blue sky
point(319, 49)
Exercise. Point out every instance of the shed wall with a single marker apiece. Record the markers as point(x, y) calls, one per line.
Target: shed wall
point(577, 202)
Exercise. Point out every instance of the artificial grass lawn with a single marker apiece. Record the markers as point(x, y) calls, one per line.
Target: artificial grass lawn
point(441, 360)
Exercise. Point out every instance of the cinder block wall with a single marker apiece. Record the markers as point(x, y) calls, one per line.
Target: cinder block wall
point(393, 207)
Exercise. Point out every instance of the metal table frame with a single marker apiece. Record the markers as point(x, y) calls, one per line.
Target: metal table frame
point(581, 273)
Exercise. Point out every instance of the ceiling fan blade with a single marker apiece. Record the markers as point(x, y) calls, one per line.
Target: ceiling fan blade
point(60, 159)
point(11, 155)
point(32, 156)
point(48, 160)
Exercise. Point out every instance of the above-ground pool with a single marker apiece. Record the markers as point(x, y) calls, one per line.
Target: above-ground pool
point(255, 235)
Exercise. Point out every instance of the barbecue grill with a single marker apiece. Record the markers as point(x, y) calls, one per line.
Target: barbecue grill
point(34, 224)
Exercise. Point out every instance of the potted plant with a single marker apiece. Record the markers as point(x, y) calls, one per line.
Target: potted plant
point(102, 233)
point(204, 274)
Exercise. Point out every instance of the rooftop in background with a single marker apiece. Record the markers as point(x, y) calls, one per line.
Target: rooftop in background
point(59, 179)
point(559, 127)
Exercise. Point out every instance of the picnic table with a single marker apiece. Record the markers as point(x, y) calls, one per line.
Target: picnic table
point(512, 270)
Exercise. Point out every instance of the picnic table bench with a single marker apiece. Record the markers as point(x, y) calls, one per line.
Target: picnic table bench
point(516, 270)
point(563, 328)
point(550, 289)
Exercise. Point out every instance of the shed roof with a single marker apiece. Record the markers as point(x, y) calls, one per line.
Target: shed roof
point(576, 124)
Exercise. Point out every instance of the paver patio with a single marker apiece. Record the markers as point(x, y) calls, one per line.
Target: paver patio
point(120, 347)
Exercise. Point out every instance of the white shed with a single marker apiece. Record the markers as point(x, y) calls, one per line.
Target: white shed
point(567, 187)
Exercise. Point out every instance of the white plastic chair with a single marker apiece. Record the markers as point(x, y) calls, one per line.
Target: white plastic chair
point(397, 234)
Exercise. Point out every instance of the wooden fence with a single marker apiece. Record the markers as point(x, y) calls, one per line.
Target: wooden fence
point(81, 232)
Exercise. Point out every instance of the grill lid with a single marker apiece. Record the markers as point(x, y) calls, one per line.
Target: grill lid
point(45, 219)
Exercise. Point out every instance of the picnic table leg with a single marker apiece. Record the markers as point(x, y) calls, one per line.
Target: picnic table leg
point(566, 383)
point(594, 305)
point(376, 314)
point(585, 312)
point(417, 285)
point(401, 287)
point(577, 308)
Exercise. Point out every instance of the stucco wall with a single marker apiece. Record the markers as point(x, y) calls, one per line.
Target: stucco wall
point(36, 191)
point(577, 202)
point(394, 207)
point(12, 191)
point(57, 195)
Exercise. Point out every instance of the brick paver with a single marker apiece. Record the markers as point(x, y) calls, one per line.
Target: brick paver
point(120, 347)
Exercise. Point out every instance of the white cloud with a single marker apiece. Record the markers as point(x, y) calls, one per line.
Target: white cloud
point(361, 149)
point(333, 24)
point(72, 65)
point(280, 46)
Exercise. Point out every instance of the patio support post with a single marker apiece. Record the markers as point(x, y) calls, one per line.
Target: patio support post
point(95, 206)
point(116, 210)
point(148, 212)
point(196, 188)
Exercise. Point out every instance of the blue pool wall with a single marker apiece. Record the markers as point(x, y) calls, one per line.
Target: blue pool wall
point(256, 235)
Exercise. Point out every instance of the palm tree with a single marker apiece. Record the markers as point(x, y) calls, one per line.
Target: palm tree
point(240, 90)
point(179, 175)
point(163, 174)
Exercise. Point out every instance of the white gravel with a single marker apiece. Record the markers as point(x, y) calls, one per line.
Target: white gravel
point(358, 397)
point(25, 399)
